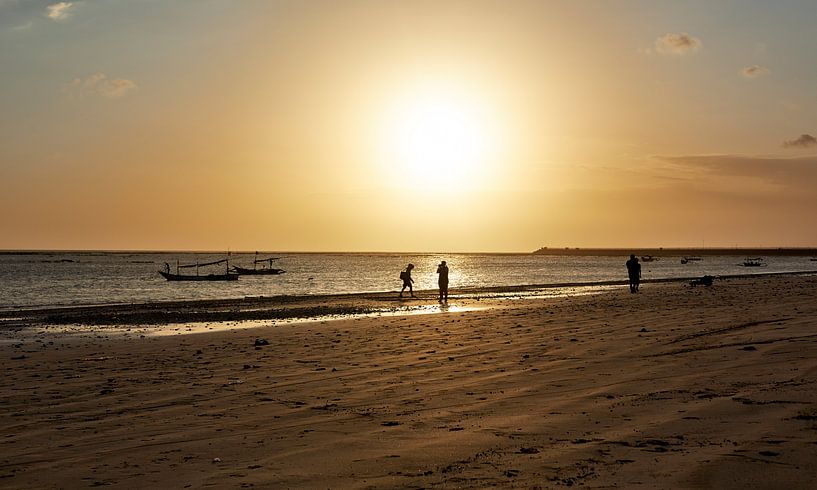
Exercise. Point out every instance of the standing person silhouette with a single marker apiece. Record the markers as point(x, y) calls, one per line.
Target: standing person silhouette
point(634, 272)
point(442, 270)
point(407, 280)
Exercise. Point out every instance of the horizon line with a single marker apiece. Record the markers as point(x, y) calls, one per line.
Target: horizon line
point(9, 251)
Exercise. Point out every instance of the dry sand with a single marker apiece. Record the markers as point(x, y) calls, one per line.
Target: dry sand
point(675, 387)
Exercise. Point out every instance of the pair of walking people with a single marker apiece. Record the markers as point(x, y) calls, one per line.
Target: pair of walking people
point(442, 281)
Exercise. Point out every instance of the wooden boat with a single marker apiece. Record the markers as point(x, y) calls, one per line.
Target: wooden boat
point(201, 277)
point(687, 260)
point(756, 262)
point(177, 276)
point(256, 272)
point(649, 258)
point(267, 270)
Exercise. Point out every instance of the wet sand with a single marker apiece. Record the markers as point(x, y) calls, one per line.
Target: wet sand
point(674, 387)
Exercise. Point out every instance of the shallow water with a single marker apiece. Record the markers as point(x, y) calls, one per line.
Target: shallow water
point(71, 278)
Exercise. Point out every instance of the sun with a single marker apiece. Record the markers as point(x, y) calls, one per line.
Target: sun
point(437, 136)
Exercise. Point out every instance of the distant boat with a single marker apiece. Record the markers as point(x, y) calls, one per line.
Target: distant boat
point(686, 260)
point(755, 262)
point(267, 270)
point(177, 276)
point(649, 258)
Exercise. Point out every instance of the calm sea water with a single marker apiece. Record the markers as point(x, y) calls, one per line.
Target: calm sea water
point(62, 278)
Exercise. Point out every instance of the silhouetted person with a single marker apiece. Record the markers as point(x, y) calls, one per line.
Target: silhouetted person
point(634, 271)
point(407, 280)
point(442, 270)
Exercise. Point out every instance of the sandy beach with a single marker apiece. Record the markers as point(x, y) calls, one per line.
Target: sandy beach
point(674, 387)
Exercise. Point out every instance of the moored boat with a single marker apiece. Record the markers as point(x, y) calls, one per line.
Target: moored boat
point(265, 270)
point(241, 271)
point(754, 262)
point(199, 277)
point(178, 276)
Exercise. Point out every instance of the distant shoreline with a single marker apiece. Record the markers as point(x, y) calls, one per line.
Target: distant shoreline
point(679, 252)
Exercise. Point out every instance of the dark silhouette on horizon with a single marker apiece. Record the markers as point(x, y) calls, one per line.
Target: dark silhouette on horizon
point(634, 273)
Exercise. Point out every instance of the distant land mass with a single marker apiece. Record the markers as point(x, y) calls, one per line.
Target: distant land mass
point(678, 252)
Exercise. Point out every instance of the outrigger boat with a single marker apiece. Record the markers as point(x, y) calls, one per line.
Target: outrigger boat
point(267, 270)
point(228, 276)
point(687, 260)
point(649, 258)
point(756, 262)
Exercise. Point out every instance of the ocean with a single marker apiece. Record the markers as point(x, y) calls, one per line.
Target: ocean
point(45, 279)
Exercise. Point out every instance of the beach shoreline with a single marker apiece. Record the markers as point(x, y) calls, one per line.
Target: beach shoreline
point(673, 387)
point(304, 307)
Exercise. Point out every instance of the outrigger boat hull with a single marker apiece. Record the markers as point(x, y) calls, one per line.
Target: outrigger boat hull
point(206, 277)
point(241, 271)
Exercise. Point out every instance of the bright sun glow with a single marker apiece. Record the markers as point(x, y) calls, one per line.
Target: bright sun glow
point(435, 137)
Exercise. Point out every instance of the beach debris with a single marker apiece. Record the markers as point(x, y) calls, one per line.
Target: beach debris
point(216, 460)
point(260, 342)
point(389, 423)
point(703, 281)
point(528, 450)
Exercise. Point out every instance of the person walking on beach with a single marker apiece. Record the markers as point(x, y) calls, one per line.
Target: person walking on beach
point(407, 280)
point(442, 270)
point(634, 271)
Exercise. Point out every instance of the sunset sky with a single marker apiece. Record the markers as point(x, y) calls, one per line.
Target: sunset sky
point(407, 125)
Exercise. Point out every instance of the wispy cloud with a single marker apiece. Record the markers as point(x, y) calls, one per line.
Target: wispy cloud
point(22, 27)
point(754, 71)
point(99, 84)
point(802, 141)
point(59, 11)
point(677, 43)
point(787, 173)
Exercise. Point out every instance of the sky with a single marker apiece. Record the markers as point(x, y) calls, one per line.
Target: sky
point(439, 126)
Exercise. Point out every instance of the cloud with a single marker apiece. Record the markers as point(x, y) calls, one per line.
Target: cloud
point(783, 172)
point(59, 11)
point(802, 141)
point(754, 71)
point(22, 27)
point(677, 43)
point(99, 84)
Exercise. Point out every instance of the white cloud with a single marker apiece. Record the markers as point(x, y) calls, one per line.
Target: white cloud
point(754, 71)
point(678, 43)
point(99, 84)
point(59, 11)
